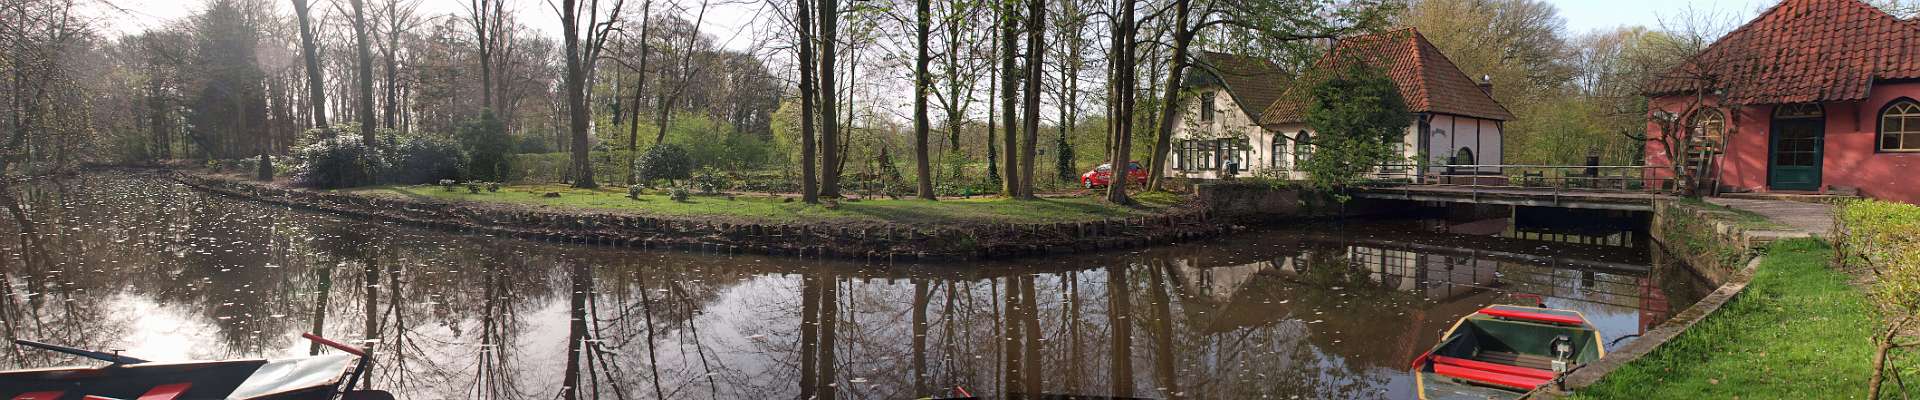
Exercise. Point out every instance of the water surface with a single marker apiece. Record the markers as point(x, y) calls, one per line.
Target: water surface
point(132, 262)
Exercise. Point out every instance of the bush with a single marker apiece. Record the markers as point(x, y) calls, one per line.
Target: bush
point(423, 159)
point(665, 161)
point(336, 163)
point(633, 191)
point(1883, 238)
point(487, 145)
point(711, 181)
point(679, 193)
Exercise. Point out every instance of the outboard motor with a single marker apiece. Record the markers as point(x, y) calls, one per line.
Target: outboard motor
point(1562, 347)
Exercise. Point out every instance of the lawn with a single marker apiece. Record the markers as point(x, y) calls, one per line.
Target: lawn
point(1800, 331)
point(767, 208)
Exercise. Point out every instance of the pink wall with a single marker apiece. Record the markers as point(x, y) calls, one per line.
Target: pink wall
point(1850, 159)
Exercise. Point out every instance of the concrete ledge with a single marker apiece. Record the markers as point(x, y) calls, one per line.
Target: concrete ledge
point(1592, 373)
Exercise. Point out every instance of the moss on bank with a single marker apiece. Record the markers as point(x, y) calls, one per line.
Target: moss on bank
point(767, 208)
point(1799, 331)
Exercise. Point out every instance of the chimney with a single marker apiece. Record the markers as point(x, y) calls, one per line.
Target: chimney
point(1486, 84)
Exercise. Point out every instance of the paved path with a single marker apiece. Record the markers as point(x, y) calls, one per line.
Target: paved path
point(1811, 219)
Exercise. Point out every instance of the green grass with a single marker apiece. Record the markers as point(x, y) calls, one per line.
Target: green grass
point(764, 208)
point(1800, 331)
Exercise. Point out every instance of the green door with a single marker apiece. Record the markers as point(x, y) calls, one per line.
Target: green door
point(1794, 162)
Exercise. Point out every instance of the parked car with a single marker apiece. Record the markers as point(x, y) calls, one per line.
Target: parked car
point(1103, 175)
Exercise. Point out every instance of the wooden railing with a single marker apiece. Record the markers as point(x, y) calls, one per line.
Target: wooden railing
point(1558, 178)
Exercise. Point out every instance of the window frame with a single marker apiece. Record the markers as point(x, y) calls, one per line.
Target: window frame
point(1697, 132)
point(1911, 116)
point(1302, 149)
point(1208, 107)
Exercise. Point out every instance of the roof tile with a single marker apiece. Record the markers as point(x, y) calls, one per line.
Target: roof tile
point(1802, 51)
point(1427, 80)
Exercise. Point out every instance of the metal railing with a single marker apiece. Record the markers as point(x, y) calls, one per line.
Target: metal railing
point(1557, 178)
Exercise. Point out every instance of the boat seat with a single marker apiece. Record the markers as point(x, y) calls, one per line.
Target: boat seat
point(1516, 359)
point(166, 392)
point(1531, 316)
point(1515, 377)
point(45, 395)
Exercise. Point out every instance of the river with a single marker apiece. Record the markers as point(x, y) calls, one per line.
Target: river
point(132, 262)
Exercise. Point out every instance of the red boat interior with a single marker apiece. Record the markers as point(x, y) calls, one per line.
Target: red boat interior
point(130, 382)
point(1532, 316)
point(1511, 376)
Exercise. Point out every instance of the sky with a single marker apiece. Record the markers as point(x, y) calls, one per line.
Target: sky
point(1581, 15)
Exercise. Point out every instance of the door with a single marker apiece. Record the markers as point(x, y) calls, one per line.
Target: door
point(1793, 163)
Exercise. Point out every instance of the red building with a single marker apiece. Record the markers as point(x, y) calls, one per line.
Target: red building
point(1812, 96)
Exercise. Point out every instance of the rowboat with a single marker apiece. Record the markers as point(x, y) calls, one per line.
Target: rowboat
point(322, 377)
point(1505, 351)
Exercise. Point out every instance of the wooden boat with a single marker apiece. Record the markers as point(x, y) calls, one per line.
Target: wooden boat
point(322, 377)
point(1505, 351)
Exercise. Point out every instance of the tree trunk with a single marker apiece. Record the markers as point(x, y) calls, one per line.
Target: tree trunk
point(576, 87)
point(1121, 117)
point(923, 168)
point(316, 77)
point(829, 14)
point(639, 90)
point(1170, 107)
point(1036, 54)
point(809, 188)
point(364, 58)
point(1009, 99)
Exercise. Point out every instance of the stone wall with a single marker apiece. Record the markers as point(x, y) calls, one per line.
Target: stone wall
point(1255, 202)
point(1704, 240)
point(855, 240)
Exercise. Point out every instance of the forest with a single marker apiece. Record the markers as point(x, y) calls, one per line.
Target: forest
point(816, 97)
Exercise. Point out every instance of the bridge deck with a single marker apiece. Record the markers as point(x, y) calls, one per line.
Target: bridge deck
point(1514, 195)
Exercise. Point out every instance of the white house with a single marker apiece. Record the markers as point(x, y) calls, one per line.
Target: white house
point(1452, 121)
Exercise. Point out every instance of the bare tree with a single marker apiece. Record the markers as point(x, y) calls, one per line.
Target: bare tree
point(1035, 72)
point(488, 19)
point(923, 168)
point(1120, 103)
point(581, 55)
point(316, 76)
point(364, 61)
point(827, 37)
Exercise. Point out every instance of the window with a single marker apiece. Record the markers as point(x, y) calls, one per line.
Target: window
point(1206, 107)
point(1234, 151)
point(1278, 154)
point(1798, 111)
point(1900, 127)
point(1183, 155)
point(1302, 149)
point(1709, 128)
point(1463, 157)
point(1198, 155)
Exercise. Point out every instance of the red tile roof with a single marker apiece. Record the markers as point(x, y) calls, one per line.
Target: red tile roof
point(1427, 80)
point(1803, 51)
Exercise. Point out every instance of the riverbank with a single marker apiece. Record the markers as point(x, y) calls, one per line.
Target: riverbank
point(865, 230)
point(759, 207)
point(1798, 331)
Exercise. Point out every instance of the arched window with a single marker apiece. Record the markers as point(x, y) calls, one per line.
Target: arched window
point(1709, 127)
point(1277, 157)
point(1302, 148)
point(1900, 126)
point(1463, 157)
point(1798, 111)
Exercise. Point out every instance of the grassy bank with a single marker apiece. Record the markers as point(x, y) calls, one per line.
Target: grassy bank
point(778, 209)
point(1800, 331)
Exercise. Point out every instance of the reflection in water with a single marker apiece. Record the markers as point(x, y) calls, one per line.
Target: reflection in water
point(171, 274)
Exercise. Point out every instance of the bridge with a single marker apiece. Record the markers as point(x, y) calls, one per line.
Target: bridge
point(1630, 188)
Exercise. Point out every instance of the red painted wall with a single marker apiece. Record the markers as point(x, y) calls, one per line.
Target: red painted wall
point(1850, 159)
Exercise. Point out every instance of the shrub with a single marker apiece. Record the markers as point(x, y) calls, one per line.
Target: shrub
point(710, 181)
point(679, 193)
point(486, 142)
point(665, 161)
point(1883, 238)
point(423, 159)
point(448, 184)
point(493, 187)
point(336, 163)
point(634, 190)
point(1354, 114)
point(473, 187)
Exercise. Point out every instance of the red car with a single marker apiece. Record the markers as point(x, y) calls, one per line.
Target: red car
point(1103, 175)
